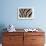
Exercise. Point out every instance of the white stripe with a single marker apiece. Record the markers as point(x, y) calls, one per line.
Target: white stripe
point(0, 44)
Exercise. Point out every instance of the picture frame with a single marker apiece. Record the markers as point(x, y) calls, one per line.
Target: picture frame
point(25, 13)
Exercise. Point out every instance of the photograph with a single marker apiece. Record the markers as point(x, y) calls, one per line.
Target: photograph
point(22, 22)
point(25, 13)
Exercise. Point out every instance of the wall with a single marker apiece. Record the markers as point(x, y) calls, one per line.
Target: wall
point(8, 13)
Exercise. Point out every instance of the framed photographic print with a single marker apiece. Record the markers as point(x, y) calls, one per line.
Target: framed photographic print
point(25, 13)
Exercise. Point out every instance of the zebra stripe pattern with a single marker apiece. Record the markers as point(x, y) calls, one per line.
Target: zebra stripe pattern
point(25, 12)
